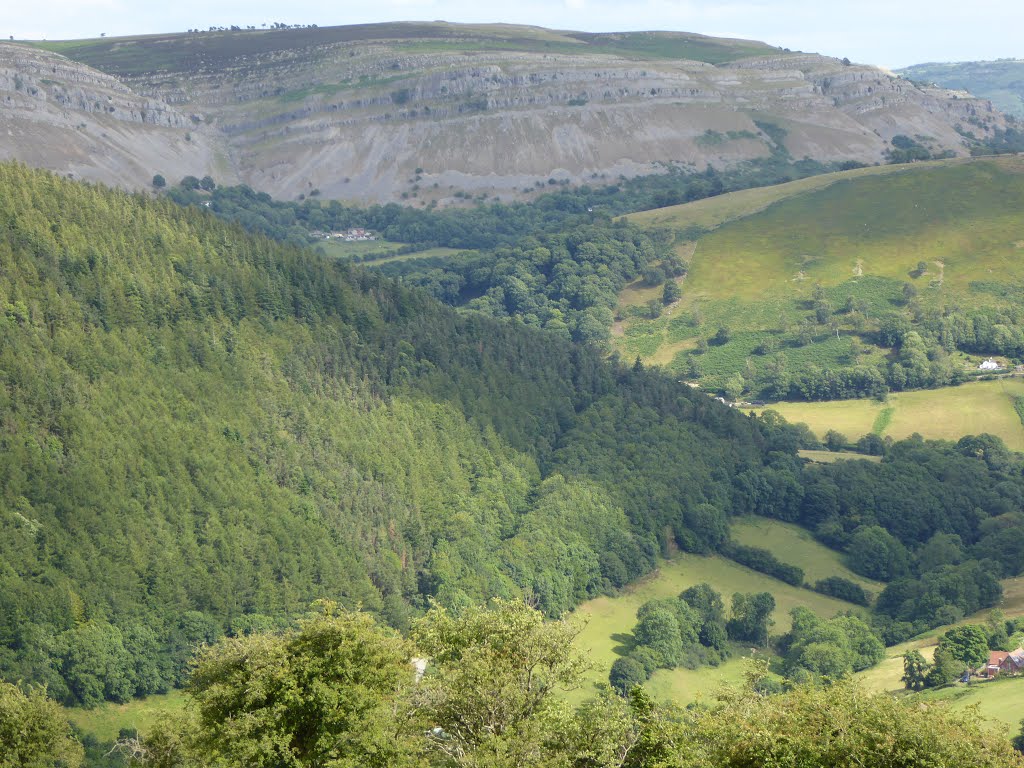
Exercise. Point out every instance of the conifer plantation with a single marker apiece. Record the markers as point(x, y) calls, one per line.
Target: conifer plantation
point(204, 431)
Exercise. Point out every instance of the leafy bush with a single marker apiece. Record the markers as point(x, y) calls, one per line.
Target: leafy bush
point(626, 673)
point(764, 561)
point(843, 589)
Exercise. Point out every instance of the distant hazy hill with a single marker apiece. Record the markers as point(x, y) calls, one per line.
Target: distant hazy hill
point(1000, 81)
point(436, 111)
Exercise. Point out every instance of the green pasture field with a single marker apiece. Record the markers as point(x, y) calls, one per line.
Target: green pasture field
point(1000, 701)
point(947, 413)
point(428, 253)
point(339, 249)
point(611, 619)
point(380, 248)
point(796, 546)
point(966, 215)
point(859, 235)
point(712, 212)
point(106, 721)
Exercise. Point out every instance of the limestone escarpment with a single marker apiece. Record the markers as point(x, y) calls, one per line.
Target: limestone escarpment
point(73, 119)
point(401, 111)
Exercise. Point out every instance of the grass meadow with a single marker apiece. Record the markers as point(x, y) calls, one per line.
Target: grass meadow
point(830, 457)
point(712, 212)
point(948, 413)
point(1001, 702)
point(794, 545)
point(611, 619)
point(371, 253)
point(106, 721)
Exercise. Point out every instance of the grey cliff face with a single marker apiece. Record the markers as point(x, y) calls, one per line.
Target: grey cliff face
point(356, 119)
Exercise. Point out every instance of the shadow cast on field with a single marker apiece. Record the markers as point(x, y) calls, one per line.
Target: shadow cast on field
point(626, 643)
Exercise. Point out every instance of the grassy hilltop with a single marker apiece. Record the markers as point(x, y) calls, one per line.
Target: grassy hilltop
point(142, 54)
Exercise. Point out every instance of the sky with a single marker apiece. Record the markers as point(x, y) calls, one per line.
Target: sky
point(887, 33)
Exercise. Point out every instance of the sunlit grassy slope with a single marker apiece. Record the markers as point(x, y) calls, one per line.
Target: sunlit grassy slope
point(795, 545)
point(948, 413)
point(715, 211)
point(106, 721)
point(611, 619)
point(381, 251)
point(858, 234)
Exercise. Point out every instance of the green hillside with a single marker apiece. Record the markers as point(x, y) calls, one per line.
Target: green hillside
point(714, 211)
point(610, 620)
point(204, 431)
point(793, 544)
point(819, 284)
point(938, 414)
point(997, 702)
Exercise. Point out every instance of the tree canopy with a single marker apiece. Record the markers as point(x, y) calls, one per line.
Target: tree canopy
point(34, 731)
point(488, 700)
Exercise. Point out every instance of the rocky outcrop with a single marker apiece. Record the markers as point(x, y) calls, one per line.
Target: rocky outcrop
point(73, 119)
point(31, 78)
point(378, 119)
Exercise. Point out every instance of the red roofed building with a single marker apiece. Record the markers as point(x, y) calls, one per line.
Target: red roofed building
point(1013, 664)
point(995, 658)
point(1005, 662)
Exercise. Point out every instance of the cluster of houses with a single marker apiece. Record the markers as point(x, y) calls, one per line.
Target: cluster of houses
point(354, 235)
point(1005, 663)
point(990, 365)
